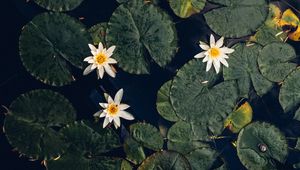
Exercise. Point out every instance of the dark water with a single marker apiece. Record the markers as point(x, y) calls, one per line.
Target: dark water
point(140, 91)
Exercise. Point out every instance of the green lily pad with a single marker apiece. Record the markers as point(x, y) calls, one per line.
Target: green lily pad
point(237, 18)
point(163, 103)
point(59, 5)
point(31, 122)
point(274, 61)
point(50, 44)
point(98, 33)
point(203, 158)
point(147, 135)
point(88, 141)
point(134, 151)
point(165, 160)
point(243, 67)
point(184, 137)
point(289, 95)
point(259, 144)
point(196, 99)
point(141, 32)
point(186, 8)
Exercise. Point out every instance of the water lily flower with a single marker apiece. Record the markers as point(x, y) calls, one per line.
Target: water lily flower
point(214, 53)
point(101, 60)
point(113, 110)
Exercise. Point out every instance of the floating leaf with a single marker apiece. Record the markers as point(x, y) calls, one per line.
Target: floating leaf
point(184, 137)
point(31, 122)
point(147, 135)
point(275, 61)
point(289, 18)
point(196, 99)
point(98, 33)
point(134, 151)
point(88, 141)
point(186, 8)
point(165, 160)
point(203, 158)
point(289, 95)
point(237, 18)
point(259, 144)
point(148, 33)
point(125, 165)
point(243, 67)
point(163, 103)
point(50, 44)
point(59, 5)
point(239, 118)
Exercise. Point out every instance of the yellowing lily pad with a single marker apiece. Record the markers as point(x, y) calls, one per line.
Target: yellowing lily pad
point(186, 8)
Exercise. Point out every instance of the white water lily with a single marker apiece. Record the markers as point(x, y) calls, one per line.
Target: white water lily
point(113, 110)
point(214, 53)
point(101, 60)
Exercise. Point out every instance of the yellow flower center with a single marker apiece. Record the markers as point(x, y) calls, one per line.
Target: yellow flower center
point(100, 58)
point(214, 52)
point(112, 109)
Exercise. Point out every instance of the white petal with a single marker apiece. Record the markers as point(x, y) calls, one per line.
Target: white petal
point(119, 96)
point(208, 65)
point(125, 115)
point(109, 70)
point(110, 51)
point(110, 100)
point(227, 50)
point(225, 56)
point(204, 46)
point(103, 105)
point(97, 114)
point(92, 47)
point(94, 66)
point(103, 114)
point(91, 61)
point(115, 124)
point(205, 59)
point(100, 47)
point(110, 119)
point(212, 41)
point(111, 61)
point(87, 70)
point(200, 55)
point(105, 123)
point(123, 106)
point(94, 53)
point(117, 121)
point(88, 58)
point(223, 61)
point(220, 42)
point(216, 64)
point(100, 72)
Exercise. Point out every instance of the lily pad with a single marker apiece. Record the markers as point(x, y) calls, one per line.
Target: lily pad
point(163, 103)
point(141, 32)
point(275, 61)
point(196, 98)
point(289, 95)
point(165, 160)
point(259, 144)
point(237, 18)
point(134, 151)
point(51, 44)
point(147, 135)
point(243, 67)
point(203, 158)
point(98, 33)
point(186, 8)
point(88, 141)
point(59, 5)
point(31, 122)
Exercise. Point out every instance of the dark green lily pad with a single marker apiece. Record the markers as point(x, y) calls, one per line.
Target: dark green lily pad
point(197, 100)
point(186, 8)
point(88, 141)
point(237, 18)
point(50, 44)
point(163, 103)
point(184, 137)
point(141, 32)
point(165, 160)
point(98, 33)
point(29, 125)
point(243, 67)
point(289, 95)
point(59, 5)
point(203, 158)
point(275, 61)
point(147, 135)
point(251, 142)
point(134, 151)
